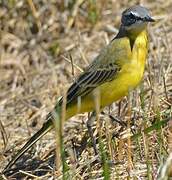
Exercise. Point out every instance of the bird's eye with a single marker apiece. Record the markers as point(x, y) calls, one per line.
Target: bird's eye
point(132, 16)
point(130, 19)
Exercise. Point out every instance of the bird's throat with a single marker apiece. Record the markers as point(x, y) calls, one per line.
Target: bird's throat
point(132, 35)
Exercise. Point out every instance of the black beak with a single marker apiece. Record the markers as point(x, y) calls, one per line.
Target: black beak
point(149, 19)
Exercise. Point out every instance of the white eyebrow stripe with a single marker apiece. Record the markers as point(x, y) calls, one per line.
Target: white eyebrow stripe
point(135, 14)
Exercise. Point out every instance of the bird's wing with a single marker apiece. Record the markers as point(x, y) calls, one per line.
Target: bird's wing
point(103, 69)
point(90, 80)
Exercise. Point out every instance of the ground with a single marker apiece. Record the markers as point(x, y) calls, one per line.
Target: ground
point(44, 46)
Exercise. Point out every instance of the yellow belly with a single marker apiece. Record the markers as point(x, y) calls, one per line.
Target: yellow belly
point(109, 92)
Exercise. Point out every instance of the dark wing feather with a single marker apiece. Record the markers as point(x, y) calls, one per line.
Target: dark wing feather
point(89, 80)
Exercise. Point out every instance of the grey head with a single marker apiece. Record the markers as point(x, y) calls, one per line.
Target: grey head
point(136, 18)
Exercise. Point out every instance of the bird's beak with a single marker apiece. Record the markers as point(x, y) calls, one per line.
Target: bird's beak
point(149, 19)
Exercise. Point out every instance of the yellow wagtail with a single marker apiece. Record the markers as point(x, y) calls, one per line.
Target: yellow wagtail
point(114, 72)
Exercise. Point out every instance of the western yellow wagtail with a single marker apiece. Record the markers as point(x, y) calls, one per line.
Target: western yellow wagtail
point(114, 72)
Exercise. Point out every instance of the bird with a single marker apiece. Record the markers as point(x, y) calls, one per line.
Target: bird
point(117, 70)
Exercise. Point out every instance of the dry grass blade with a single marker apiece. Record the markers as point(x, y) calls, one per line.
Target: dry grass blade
point(3, 134)
point(74, 13)
point(35, 13)
point(73, 64)
point(29, 174)
point(165, 172)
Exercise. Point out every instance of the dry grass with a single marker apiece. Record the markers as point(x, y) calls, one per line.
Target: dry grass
point(36, 39)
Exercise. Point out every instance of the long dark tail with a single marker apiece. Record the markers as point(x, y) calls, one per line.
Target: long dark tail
point(47, 126)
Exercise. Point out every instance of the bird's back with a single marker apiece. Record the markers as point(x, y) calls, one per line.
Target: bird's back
point(117, 52)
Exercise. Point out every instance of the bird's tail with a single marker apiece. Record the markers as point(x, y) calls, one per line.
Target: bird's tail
point(47, 126)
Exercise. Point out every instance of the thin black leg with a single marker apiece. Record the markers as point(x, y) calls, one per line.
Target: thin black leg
point(90, 122)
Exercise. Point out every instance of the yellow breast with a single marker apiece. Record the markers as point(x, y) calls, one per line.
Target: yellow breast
point(130, 75)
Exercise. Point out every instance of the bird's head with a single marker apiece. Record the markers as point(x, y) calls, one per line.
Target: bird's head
point(135, 19)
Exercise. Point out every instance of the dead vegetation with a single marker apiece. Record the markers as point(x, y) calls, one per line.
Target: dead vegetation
point(38, 42)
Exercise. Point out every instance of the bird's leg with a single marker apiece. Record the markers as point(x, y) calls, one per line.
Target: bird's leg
point(119, 121)
point(115, 119)
point(90, 122)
